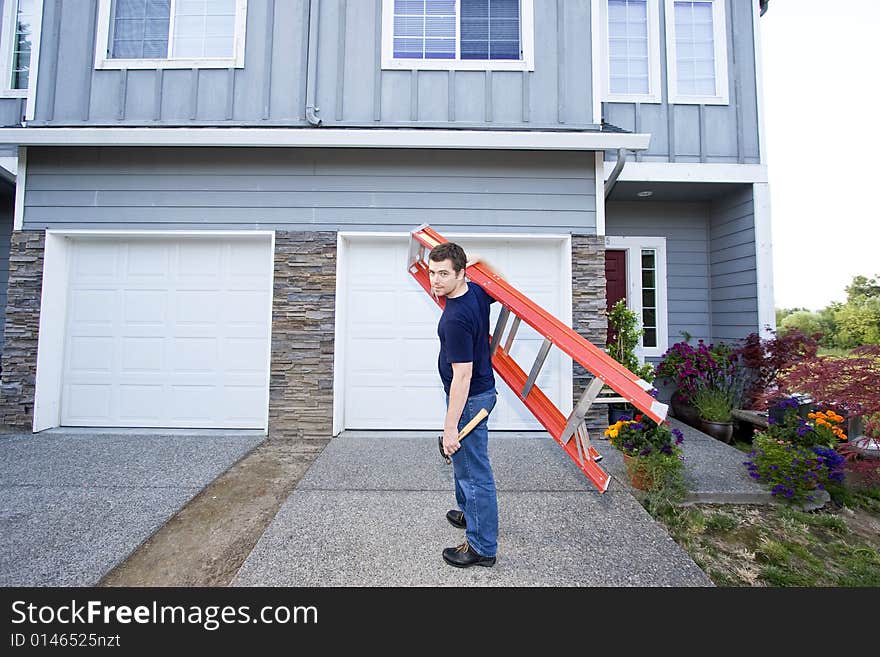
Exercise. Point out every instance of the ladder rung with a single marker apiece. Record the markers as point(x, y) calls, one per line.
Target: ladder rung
point(581, 408)
point(536, 367)
point(499, 329)
point(510, 335)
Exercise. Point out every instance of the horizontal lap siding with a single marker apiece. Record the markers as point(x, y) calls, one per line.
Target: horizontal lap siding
point(309, 189)
point(684, 225)
point(734, 291)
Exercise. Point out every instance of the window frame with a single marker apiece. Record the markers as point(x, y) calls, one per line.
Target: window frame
point(655, 79)
point(722, 83)
point(633, 247)
point(102, 46)
point(7, 39)
point(527, 44)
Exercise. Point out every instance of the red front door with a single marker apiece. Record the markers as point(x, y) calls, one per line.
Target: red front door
point(615, 280)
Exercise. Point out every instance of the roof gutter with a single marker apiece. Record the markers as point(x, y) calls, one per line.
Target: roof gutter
point(303, 137)
point(312, 65)
point(615, 173)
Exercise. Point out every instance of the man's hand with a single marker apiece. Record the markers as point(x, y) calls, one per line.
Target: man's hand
point(450, 442)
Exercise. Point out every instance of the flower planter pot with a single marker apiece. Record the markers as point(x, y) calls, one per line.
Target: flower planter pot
point(685, 412)
point(638, 476)
point(722, 431)
point(615, 412)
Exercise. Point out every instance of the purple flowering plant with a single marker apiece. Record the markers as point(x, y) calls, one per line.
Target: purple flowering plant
point(793, 472)
point(643, 437)
point(688, 368)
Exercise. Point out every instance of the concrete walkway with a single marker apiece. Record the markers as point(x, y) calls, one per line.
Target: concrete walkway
point(370, 512)
point(76, 502)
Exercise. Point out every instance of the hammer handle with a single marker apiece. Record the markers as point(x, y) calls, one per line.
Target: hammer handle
point(474, 422)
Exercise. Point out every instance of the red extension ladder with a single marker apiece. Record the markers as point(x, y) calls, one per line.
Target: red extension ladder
point(571, 432)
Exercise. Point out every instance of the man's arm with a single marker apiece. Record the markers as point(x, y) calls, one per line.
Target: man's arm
point(458, 394)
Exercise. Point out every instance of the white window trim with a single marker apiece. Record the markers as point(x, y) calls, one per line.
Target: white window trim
point(103, 61)
point(527, 43)
point(633, 247)
point(6, 44)
point(719, 24)
point(655, 91)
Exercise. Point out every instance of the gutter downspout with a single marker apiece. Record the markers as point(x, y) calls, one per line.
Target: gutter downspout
point(615, 174)
point(312, 65)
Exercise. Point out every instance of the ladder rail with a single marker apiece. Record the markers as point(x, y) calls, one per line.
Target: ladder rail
point(600, 364)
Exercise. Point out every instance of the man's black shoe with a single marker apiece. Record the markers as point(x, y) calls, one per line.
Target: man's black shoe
point(464, 556)
point(456, 519)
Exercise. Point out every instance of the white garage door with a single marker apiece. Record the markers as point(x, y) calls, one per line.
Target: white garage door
point(168, 333)
point(390, 332)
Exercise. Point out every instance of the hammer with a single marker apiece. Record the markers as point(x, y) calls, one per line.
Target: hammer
point(479, 417)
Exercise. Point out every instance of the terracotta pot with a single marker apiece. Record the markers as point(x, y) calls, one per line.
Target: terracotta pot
point(722, 431)
point(638, 476)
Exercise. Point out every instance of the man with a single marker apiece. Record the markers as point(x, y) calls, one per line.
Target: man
point(466, 371)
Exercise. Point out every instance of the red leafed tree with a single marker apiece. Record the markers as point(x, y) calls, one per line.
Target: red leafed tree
point(851, 383)
point(765, 358)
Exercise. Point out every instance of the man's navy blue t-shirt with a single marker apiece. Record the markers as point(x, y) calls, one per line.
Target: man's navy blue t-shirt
point(464, 338)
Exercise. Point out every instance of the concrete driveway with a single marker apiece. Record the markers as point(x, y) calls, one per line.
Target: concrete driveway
point(76, 502)
point(370, 512)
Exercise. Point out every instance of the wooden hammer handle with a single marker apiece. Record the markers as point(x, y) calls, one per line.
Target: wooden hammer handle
point(479, 417)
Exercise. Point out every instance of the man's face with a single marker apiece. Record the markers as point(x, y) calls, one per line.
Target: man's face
point(443, 278)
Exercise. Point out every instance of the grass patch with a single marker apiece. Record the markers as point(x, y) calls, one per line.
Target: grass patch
point(775, 545)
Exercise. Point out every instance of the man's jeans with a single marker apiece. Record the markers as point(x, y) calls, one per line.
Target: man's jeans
point(474, 480)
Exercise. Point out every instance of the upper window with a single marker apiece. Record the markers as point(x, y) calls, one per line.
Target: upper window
point(696, 51)
point(633, 51)
point(171, 33)
point(457, 34)
point(20, 32)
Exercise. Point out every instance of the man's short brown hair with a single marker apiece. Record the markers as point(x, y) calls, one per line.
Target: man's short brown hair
point(449, 251)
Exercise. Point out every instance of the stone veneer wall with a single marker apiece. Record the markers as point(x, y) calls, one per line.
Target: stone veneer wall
point(18, 383)
point(303, 312)
point(588, 313)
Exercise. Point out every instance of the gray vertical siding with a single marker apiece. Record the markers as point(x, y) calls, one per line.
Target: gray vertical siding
point(702, 133)
point(7, 205)
point(351, 87)
point(685, 227)
point(733, 275)
point(310, 189)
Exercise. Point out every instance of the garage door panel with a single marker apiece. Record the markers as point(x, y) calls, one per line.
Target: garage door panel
point(142, 354)
point(200, 307)
point(239, 402)
point(91, 354)
point(140, 402)
point(147, 260)
point(191, 402)
point(245, 355)
point(198, 259)
point(172, 337)
point(145, 306)
point(93, 305)
point(89, 400)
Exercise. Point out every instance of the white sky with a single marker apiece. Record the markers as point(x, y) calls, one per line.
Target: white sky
point(821, 64)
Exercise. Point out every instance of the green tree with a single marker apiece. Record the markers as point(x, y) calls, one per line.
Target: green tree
point(808, 323)
point(858, 323)
point(862, 288)
point(782, 313)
